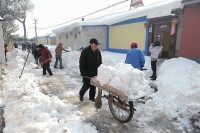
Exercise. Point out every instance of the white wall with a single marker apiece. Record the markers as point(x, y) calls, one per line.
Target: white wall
point(2, 52)
point(84, 35)
point(95, 32)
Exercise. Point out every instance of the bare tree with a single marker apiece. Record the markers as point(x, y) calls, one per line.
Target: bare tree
point(9, 26)
point(18, 10)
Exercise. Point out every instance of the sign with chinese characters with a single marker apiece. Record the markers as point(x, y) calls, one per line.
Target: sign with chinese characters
point(163, 26)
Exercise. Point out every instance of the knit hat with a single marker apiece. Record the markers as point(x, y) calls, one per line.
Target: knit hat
point(40, 46)
point(133, 45)
point(60, 44)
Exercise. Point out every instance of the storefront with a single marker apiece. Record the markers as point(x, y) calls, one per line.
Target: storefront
point(163, 29)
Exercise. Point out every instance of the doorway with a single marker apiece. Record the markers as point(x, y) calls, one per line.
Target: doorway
point(162, 32)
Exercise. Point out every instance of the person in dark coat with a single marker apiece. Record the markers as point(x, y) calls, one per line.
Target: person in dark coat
point(89, 62)
point(28, 46)
point(37, 55)
point(135, 57)
point(23, 47)
point(5, 47)
point(46, 59)
point(34, 52)
point(15, 45)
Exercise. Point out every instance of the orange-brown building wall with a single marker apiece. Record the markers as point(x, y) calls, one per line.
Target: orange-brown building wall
point(190, 39)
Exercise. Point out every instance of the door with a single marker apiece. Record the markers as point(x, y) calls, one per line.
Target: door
point(162, 34)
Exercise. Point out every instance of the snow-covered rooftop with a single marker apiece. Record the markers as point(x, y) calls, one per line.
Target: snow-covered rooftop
point(151, 11)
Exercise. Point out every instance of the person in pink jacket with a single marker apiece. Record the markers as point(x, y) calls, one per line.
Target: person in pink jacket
point(155, 50)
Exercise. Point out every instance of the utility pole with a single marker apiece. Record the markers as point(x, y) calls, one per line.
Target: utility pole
point(35, 23)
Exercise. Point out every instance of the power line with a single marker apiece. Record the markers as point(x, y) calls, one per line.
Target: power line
point(85, 15)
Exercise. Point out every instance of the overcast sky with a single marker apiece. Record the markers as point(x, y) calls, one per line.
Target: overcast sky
point(52, 12)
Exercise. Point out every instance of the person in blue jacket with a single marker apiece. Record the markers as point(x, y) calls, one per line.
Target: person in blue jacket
point(135, 57)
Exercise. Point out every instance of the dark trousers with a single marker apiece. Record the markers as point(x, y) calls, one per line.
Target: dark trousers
point(153, 67)
point(5, 56)
point(36, 59)
point(58, 58)
point(47, 67)
point(86, 86)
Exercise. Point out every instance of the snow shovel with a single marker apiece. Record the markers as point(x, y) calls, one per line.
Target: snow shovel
point(41, 64)
point(24, 64)
point(45, 61)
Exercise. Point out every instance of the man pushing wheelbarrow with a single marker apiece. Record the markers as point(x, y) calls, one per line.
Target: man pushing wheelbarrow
point(89, 62)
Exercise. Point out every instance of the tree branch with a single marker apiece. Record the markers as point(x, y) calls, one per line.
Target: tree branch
point(19, 20)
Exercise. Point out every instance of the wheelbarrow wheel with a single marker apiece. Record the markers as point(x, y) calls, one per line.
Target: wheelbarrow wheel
point(121, 110)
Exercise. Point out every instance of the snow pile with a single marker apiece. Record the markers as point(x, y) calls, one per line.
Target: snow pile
point(69, 49)
point(124, 77)
point(111, 59)
point(14, 87)
point(16, 52)
point(35, 113)
point(39, 113)
point(71, 61)
point(16, 59)
point(179, 87)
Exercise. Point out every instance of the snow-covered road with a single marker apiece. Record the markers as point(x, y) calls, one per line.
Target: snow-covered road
point(50, 104)
point(66, 87)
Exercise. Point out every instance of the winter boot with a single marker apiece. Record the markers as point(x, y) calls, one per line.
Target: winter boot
point(92, 99)
point(81, 98)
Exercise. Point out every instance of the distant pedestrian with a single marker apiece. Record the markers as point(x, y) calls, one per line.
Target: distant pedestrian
point(135, 57)
point(155, 50)
point(34, 52)
point(46, 59)
point(58, 51)
point(37, 55)
point(28, 46)
point(24, 47)
point(15, 45)
point(89, 62)
point(5, 47)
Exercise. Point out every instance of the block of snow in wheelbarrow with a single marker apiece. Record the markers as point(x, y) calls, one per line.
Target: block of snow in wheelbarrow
point(125, 78)
point(109, 89)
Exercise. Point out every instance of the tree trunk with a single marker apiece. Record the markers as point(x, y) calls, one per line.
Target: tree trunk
point(24, 26)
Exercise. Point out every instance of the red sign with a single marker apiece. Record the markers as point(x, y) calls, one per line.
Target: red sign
point(173, 27)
